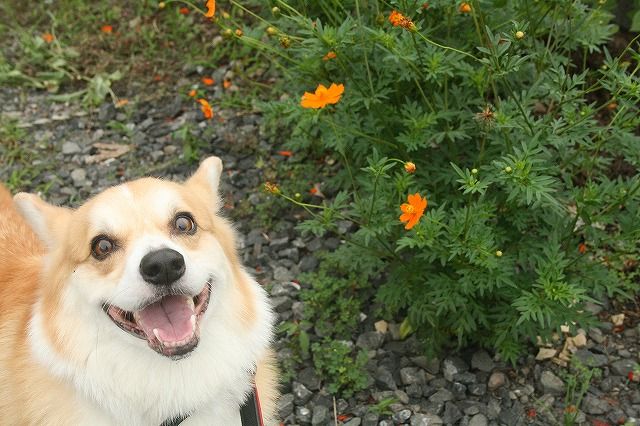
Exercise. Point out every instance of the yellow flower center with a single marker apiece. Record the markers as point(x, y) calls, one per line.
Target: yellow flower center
point(411, 209)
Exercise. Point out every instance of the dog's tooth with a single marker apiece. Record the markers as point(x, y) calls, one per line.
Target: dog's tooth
point(190, 303)
point(157, 334)
point(193, 323)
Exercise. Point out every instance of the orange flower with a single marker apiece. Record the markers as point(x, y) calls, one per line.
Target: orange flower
point(413, 210)
point(206, 108)
point(211, 8)
point(107, 29)
point(313, 191)
point(397, 19)
point(285, 153)
point(47, 37)
point(582, 248)
point(192, 93)
point(409, 167)
point(323, 96)
point(239, 32)
point(208, 81)
point(330, 55)
point(464, 7)
point(184, 11)
point(271, 187)
point(226, 84)
point(122, 102)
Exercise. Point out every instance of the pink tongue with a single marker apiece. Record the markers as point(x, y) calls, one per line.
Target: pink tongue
point(171, 316)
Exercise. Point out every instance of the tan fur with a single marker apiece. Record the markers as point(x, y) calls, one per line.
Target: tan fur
point(29, 394)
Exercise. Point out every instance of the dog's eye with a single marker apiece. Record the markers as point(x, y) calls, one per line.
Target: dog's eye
point(101, 247)
point(184, 224)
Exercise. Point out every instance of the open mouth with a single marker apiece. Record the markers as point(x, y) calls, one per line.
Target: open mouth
point(170, 325)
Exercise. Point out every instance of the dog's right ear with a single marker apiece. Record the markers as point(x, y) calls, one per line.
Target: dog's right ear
point(47, 221)
point(207, 180)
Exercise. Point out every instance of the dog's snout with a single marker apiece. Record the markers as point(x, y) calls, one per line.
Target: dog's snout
point(162, 267)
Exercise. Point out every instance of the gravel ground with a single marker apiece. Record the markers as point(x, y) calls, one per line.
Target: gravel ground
point(70, 154)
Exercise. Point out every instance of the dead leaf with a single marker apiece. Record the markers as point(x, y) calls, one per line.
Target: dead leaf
point(545, 353)
point(617, 320)
point(107, 151)
point(381, 326)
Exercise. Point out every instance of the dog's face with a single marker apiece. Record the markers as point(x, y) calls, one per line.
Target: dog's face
point(145, 255)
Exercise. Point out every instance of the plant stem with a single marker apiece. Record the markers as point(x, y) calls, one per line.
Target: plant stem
point(446, 47)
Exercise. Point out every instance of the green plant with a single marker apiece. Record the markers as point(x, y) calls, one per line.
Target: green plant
point(383, 407)
point(521, 124)
point(344, 372)
point(332, 307)
point(331, 302)
point(577, 383)
point(191, 145)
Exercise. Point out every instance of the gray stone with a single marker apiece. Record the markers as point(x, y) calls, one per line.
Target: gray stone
point(301, 394)
point(624, 353)
point(443, 395)
point(478, 389)
point(156, 155)
point(107, 112)
point(589, 359)
point(466, 378)
point(459, 390)
point(451, 413)
point(596, 335)
point(419, 419)
point(432, 365)
point(412, 375)
point(496, 380)
point(370, 419)
point(594, 405)
point(309, 378)
point(414, 390)
point(384, 379)
point(478, 420)
point(482, 361)
point(78, 176)
point(453, 366)
point(401, 416)
point(69, 148)
point(281, 304)
point(285, 405)
point(355, 421)
point(282, 274)
point(622, 367)
point(331, 243)
point(513, 415)
point(551, 383)
point(370, 340)
point(402, 396)
point(308, 263)
point(278, 244)
point(303, 415)
point(320, 415)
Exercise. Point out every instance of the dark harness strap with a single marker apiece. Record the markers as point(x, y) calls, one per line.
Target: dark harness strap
point(250, 413)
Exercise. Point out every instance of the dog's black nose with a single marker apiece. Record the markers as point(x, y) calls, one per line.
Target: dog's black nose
point(162, 267)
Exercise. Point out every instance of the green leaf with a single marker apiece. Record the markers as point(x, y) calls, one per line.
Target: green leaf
point(635, 22)
point(406, 329)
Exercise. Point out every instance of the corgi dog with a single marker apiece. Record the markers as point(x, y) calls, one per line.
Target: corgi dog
point(131, 310)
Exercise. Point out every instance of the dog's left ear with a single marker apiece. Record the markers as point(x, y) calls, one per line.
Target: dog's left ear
point(207, 179)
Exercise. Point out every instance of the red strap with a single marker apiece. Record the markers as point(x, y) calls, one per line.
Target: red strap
point(258, 407)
